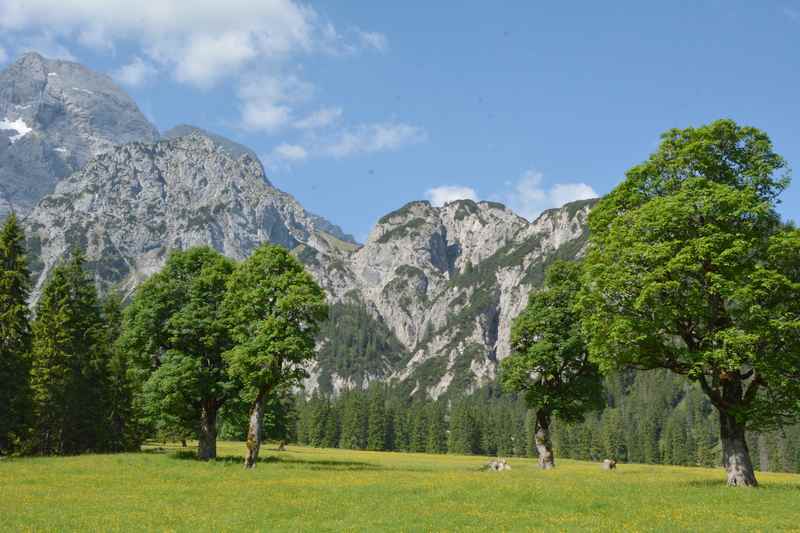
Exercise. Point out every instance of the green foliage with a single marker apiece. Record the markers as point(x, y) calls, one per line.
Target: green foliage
point(273, 309)
point(377, 421)
point(549, 361)
point(177, 332)
point(356, 345)
point(464, 433)
point(127, 432)
point(690, 270)
point(355, 421)
point(69, 365)
point(15, 337)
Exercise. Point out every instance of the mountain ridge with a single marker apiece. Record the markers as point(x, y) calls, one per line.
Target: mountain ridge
point(426, 302)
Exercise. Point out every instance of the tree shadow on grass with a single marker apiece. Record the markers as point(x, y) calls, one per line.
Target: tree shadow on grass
point(722, 483)
point(187, 455)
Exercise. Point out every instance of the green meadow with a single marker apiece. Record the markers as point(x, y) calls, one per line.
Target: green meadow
point(308, 489)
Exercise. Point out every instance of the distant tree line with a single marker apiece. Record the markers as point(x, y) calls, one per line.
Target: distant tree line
point(650, 417)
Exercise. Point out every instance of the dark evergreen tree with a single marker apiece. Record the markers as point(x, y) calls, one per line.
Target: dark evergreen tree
point(354, 421)
point(437, 430)
point(126, 430)
point(376, 420)
point(15, 337)
point(464, 436)
point(418, 428)
point(70, 362)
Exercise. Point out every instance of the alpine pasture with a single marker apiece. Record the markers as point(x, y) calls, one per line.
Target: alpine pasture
point(307, 489)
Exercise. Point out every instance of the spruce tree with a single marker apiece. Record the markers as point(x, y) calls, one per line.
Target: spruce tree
point(126, 431)
point(418, 423)
point(376, 422)
point(69, 362)
point(15, 336)
point(464, 436)
point(332, 426)
point(437, 430)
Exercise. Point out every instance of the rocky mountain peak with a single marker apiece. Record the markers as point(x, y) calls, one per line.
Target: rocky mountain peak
point(133, 204)
point(55, 115)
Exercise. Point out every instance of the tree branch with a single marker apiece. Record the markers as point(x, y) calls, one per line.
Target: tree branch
point(712, 394)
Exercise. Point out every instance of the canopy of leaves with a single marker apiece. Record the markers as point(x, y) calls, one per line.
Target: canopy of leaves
point(689, 269)
point(549, 359)
point(274, 308)
point(177, 330)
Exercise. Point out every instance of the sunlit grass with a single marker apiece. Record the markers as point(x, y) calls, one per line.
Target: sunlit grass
point(306, 489)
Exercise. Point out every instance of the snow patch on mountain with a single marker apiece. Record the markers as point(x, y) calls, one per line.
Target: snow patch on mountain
point(18, 125)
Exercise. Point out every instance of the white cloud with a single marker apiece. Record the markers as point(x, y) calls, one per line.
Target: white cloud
point(289, 152)
point(376, 41)
point(266, 101)
point(319, 119)
point(530, 196)
point(199, 41)
point(136, 73)
point(369, 138)
point(448, 193)
point(564, 193)
point(361, 139)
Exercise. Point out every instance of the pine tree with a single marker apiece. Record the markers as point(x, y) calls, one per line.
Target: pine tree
point(402, 433)
point(126, 431)
point(464, 437)
point(418, 435)
point(15, 337)
point(376, 421)
point(354, 422)
point(330, 439)
point(437, 436)
point(68, 377)
point(614, 435)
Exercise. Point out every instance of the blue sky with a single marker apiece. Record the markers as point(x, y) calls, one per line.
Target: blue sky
point(359, 107)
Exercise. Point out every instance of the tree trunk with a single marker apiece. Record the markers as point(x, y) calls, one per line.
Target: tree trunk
point(543, 444)
point(254, 432)
point(207, 445)
point(735, 455)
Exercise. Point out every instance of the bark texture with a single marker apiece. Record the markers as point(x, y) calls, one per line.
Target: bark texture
point(544, 445)
point(735, 454)
point(207, 444)
point(254, 432)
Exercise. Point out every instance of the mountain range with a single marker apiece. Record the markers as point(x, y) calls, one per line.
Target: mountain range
point(426, 302)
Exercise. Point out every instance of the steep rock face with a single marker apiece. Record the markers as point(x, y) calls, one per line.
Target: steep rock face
point(427, 302)
point(448, 282)
point(236, 151)
point(130, 206)
point(54, 117)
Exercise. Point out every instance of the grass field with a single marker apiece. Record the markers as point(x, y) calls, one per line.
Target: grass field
point(306, 489)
